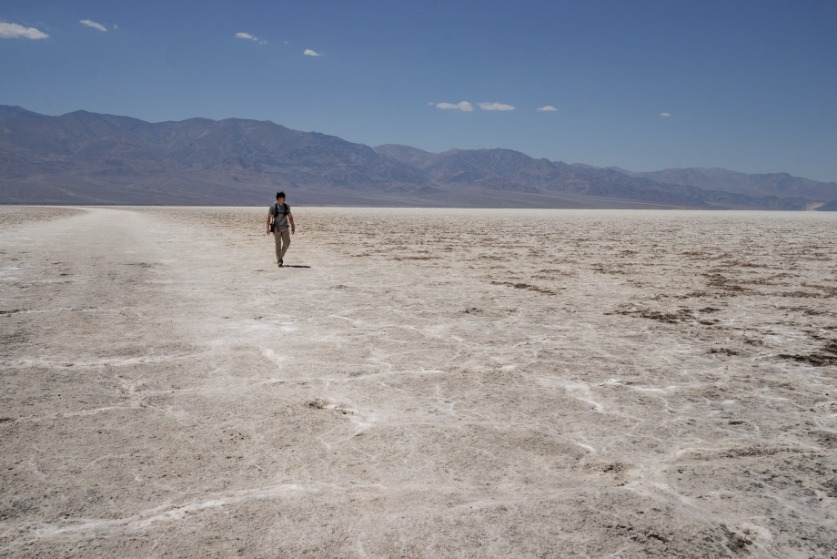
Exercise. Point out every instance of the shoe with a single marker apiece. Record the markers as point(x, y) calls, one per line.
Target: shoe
point(280, 263)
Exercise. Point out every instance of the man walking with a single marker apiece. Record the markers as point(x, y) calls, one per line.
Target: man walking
point(279, 219)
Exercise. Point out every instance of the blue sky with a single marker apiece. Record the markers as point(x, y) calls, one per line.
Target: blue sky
point(749, 85)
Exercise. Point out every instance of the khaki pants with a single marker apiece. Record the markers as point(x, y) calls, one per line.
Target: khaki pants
point(283, 240)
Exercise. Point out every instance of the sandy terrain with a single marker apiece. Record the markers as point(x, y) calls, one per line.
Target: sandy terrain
point(420, 383)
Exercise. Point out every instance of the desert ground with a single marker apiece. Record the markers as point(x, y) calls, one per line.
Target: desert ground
point(418, 383)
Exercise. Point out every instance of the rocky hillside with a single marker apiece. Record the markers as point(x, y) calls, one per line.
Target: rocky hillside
point(88, 158)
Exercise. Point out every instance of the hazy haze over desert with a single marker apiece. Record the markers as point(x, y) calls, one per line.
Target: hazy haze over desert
point(418, 383)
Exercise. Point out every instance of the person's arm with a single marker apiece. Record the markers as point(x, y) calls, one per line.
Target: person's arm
point(267, 224)
point(291, 219)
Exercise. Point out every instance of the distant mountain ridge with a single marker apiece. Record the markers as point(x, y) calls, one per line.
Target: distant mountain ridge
point(90, 158)
point(769, 184)
point(87, 158)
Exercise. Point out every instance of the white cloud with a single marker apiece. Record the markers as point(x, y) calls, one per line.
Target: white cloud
point(464, 106)
point(496, 107)
point(665, 115)
point(94, 25)
point(249, 37)
point(547, 109)
point(309, 52)
point(17, 31)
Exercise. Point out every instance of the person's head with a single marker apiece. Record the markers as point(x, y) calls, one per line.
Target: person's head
point(280, 197)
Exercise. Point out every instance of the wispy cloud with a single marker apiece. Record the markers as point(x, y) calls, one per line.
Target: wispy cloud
point(665, 115)
point(17, 31)
point(464, 106)
point(547, 109)
point(94, 25)
point(249, 37)
point(310, 52)
point(496, 107)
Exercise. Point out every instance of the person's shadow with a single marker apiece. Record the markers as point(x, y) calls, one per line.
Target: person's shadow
point(292, 266)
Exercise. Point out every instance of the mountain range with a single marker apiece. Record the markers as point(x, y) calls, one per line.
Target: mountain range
point(89, 158)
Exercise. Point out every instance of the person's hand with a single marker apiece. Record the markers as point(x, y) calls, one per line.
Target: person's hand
point(293, 230)
point(267, 231)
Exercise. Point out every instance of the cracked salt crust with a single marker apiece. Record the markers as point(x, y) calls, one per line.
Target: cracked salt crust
point(493, 383)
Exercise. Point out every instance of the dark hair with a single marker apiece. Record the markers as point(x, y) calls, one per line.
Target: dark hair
point(280, 195)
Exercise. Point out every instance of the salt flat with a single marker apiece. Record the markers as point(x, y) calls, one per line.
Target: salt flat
point(419, 383)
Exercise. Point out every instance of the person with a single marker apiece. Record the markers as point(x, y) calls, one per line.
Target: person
point(280, 217)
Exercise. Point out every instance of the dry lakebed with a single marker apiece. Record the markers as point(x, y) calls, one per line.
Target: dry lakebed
point(418, 383)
